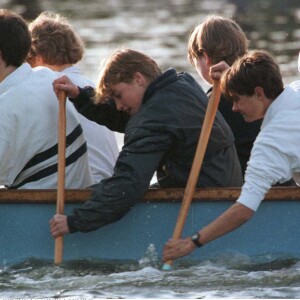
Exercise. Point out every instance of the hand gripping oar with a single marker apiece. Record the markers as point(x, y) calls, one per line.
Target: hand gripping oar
point(60, 202)
point(209, 118)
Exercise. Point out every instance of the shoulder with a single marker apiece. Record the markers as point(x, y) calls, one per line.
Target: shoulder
point(295, 85)
point(76, 76)
point(44, 71)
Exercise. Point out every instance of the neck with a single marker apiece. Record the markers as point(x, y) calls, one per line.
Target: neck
point(58, 68)
point(5, 71)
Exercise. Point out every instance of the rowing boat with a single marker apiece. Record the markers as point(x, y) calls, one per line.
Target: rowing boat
point(24, 233)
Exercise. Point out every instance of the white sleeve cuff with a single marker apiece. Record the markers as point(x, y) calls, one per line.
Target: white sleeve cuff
point(251, 201)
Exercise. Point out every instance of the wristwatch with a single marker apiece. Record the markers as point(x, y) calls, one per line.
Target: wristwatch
point(195, 239)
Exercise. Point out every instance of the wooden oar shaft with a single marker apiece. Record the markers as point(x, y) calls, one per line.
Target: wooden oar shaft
point(198, 159)
point(209, 118)
point(60, 202)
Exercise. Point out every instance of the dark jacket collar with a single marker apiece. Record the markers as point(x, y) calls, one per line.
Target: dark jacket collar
point(160, 82)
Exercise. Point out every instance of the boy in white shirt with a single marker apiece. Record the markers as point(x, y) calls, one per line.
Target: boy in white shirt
point(29, 118)
point(255, 86)
point(57, 46)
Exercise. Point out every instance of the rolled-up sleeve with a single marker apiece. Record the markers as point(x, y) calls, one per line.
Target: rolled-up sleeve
point(269, 163)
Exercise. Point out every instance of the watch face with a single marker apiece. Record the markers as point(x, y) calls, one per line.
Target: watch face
point(195, 237)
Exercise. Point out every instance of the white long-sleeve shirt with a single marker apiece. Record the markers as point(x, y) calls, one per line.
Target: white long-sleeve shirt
point(275, 156)
point(29, 133)
point(101, 142)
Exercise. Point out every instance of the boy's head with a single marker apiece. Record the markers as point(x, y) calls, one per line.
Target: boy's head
point(54, 42)
point(254, 69)
point(220, 38)
point(124, 66)
point(252, 83)
point(14, 38)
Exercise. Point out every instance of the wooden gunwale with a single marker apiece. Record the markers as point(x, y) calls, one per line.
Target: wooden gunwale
point(152, 195)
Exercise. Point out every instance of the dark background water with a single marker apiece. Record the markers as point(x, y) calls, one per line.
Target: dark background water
point(161, 28)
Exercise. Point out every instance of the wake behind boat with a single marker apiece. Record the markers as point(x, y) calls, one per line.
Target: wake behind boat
point(274, 230)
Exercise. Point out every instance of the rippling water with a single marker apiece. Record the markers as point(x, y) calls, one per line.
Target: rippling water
point(234, 277)
point(160, 28)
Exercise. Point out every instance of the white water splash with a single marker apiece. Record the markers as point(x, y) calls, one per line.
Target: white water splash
point(150, 258)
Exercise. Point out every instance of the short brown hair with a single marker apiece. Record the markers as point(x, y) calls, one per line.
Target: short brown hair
point(254, 69)
point(221, 38)
point(120, 67)
point(14, 38)
point(55, 40)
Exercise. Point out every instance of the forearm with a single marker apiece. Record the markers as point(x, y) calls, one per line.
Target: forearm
point(231, 219)
point(105, 114)
point(96, 213)
point(108, 204)
point(83, 98)
point(112, 198)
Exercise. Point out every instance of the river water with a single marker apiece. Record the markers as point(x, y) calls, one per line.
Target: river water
point(225, 277)
point(160, 28)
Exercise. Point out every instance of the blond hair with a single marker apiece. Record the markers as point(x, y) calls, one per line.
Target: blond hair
point(121, 67)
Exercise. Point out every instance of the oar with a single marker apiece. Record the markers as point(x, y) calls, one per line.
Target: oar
point(60, 201)
point(209, 118)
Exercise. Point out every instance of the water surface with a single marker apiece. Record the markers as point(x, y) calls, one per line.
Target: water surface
point(225, 277)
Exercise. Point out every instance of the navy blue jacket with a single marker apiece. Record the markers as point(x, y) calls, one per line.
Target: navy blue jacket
point(162, 136)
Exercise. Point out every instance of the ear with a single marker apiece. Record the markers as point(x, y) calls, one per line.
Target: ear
point(36, 61)
point(39, 59)
point(207, 59)
point(139, 78)
point(259, 93)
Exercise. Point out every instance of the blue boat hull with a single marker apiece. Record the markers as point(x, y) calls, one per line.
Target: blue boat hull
point(24, 233)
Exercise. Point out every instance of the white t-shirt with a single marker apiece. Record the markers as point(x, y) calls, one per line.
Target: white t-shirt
point(275, 156)
point(102, 145)
point(29, 133)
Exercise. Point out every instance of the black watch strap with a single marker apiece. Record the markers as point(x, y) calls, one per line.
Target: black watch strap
point(195, 239)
